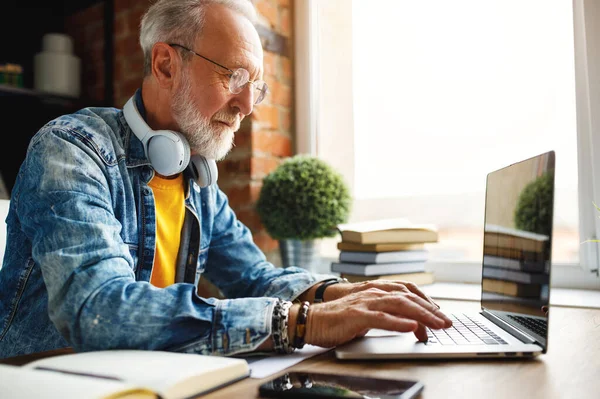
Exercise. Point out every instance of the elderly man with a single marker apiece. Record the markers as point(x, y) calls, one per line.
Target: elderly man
point(116, 215)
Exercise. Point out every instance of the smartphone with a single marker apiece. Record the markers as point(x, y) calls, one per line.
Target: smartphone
point(327, 386)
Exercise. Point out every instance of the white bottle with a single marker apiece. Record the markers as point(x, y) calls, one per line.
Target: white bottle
point(56, 68)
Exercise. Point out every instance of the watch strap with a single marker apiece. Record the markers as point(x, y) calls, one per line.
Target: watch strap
point(321, 289)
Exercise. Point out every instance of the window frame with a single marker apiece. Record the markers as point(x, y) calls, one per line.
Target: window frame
point(587, 70)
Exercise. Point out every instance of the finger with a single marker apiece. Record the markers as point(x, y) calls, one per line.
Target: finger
point(434, 309)
point(403, 286)
point(409, 306)
point(362, 333)
point(412, 287)
point(421, 333)
point(386, 321)
point(415, 307)
point(389, 285)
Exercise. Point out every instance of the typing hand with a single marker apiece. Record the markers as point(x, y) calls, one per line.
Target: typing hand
point(340, 290)
point(333, 323)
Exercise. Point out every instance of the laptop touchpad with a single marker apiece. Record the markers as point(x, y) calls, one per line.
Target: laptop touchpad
point(383, 333)
point(396, 342)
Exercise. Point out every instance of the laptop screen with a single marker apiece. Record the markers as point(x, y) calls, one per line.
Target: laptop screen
point(517, 243)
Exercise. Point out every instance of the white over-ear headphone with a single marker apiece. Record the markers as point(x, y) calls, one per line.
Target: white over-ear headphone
point(168, 151)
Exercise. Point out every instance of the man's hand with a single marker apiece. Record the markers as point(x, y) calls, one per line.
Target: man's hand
point(335, 322)
point(341, 290)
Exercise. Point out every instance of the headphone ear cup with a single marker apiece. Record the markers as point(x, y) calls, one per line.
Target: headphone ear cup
point(204, 171)
point(168, 152)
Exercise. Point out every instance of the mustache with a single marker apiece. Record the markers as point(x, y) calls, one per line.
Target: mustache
point(233, 120)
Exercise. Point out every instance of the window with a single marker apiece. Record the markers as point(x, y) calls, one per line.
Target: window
point(414, 102)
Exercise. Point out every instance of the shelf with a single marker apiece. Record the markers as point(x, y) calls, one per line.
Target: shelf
point(46, 98)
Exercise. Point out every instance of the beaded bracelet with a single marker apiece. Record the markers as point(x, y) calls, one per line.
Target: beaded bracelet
point(301, 325)
point(279, 327)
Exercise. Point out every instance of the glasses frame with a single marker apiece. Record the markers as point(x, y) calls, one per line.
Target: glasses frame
point(231, 72)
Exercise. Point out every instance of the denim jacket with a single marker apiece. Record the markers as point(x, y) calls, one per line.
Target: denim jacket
point(81, 233)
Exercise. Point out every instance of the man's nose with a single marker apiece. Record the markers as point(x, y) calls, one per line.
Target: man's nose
point(244, 100)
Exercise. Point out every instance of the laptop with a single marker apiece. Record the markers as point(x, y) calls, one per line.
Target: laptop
point(515, 283)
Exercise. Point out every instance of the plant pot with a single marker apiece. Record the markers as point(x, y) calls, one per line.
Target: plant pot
point(301, 253)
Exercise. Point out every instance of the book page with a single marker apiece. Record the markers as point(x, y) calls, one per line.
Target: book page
point(25, 383)
point(170, 374)
point(376, 225)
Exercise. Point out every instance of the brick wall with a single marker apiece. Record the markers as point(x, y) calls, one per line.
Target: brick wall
point(264, 138)
point(87, 30)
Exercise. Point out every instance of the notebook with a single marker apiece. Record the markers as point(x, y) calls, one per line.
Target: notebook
point(515, 284)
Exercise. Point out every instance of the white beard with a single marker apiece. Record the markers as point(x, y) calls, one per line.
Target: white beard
point(211, 139)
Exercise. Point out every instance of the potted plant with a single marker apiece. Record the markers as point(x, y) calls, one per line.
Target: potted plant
point(300, 202)
point(534, 207)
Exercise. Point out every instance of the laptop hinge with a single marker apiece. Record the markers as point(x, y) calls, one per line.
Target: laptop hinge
point(507, 327)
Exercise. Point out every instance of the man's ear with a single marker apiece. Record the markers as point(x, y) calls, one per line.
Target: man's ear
point(165, 64)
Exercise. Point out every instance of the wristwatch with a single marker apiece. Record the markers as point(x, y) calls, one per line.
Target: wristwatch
point(321, 289)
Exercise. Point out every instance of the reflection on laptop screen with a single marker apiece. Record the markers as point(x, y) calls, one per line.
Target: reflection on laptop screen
point(517, 243)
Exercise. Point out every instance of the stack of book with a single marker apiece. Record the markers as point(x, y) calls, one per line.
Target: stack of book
point(515, 265)
point(391, 249)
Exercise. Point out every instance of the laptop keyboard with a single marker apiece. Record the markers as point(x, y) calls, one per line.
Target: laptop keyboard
point(464, 331)
point(538, 326)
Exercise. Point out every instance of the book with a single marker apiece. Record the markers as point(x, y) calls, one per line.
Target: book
point(375, 269)
point(514, 253)
point(511, 288)
point(515, 275)
point(24, 383)
point(384, 257)
point(419, 278)
point(506, 237)
point(504, 241)
point(389, 247)
point(515, 264)
point(500, 301)
point(388, 231)
point(124, 374)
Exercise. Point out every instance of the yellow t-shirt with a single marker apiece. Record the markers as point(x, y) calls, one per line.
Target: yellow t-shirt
point(170, 212)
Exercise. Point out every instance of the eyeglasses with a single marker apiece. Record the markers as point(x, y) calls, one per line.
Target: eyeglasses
point(237, 79)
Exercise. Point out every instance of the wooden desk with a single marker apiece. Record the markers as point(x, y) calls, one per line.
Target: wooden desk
point(570, 369)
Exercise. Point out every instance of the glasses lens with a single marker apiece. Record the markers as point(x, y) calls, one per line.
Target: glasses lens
point(238, 80)
point(260, 91)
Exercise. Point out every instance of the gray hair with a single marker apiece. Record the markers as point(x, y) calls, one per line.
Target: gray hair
point(181, 21)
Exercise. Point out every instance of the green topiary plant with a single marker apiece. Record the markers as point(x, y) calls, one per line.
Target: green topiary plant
point(533, 212)
point(303, 199)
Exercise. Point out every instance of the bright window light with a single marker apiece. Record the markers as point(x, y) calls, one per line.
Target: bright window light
point(445, 92)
